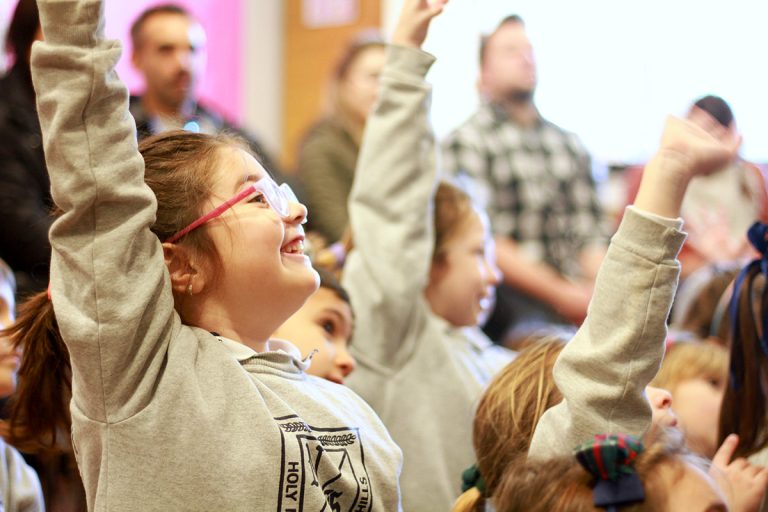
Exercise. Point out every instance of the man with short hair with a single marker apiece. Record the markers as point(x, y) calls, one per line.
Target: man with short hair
point(169, 52)
point(536, 183)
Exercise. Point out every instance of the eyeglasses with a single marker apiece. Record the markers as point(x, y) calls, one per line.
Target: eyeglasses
point(278, 197)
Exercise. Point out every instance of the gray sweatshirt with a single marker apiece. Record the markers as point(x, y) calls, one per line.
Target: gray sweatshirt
point(421, 375)
point(165, 416)
point(21, 490)
point(604, 370)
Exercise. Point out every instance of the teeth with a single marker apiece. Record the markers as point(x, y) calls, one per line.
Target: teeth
point(296, 247)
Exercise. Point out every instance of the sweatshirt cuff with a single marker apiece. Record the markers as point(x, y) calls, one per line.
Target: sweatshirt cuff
point(408, 61)
point(72, 22)
point(667, 221)
point(651, 236)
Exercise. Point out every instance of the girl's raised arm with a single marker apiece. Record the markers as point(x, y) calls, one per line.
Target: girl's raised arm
point(390, 205)
point(108, 278)
point(603, 372)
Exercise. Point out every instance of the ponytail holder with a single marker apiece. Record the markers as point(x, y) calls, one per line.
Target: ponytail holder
point(758, 237)
point(610, 459)
point(470, 478)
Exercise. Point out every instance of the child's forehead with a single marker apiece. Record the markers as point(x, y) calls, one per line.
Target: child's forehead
point(237, 167)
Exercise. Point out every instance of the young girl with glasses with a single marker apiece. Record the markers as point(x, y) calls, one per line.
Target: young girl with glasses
point(173, 263)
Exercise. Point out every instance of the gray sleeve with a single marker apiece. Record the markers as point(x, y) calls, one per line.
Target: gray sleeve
point(602, 373)
point(21, 486)
point(391, 208)
point(109, 285)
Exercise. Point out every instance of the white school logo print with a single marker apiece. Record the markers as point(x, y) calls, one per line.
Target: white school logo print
point(328, 460)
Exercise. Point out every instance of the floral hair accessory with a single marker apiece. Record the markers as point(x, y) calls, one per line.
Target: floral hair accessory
point(610, 459)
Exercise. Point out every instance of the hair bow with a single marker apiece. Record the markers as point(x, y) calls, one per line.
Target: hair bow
point(610, 459)
point(470, 478)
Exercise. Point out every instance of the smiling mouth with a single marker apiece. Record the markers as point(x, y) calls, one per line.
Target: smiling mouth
point(295, 247)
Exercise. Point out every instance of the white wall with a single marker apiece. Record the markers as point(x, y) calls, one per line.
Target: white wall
point(262, 71)
point(611, 71)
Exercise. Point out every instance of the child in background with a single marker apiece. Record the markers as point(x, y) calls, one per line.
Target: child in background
point(322, 328)
point(419, 276)
point(666, 476)
point(510, 409)
point(165, 295)
point(19, 484)
point(701, 303)
point(695, 373)
point(603, 372)
point(745, 405)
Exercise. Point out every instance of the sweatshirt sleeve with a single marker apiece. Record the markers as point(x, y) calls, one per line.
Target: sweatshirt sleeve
point(109, 287)
point(21, 486)
point(602, 373)
point(390, 209)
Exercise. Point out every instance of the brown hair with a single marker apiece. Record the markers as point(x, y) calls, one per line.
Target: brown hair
point(453, 207)
point(562, 484)
point(337, 106)
point(364, 40)
point(706, 315)
point(139, 22)
point(744, 410)
point(685, 360)
point(329, 281)
point(512, 19)
point(178, 169)
point(21, 34)
point(508, 413)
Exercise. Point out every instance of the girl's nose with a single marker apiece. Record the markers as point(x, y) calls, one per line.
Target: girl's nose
point(659, 398)
point(344, 361)
point(297, 213)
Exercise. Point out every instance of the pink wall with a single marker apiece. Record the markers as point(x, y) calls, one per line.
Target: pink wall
point(220, 87)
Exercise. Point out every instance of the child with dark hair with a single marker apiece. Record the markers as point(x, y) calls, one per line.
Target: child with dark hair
point(322, 330)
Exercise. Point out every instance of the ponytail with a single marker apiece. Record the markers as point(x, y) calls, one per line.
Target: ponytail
point(39, 409)
point(471, 500)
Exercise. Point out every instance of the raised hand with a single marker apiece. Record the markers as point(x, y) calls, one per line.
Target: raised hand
point(702, 147)
point(413, 24)
point(687, 149)
point(742, 482)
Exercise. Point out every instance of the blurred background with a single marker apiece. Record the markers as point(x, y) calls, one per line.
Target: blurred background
point(608, 71)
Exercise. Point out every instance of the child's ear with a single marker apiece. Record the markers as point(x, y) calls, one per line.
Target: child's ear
point(187, 277)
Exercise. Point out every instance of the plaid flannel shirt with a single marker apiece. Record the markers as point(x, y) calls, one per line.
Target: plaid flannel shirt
point(535, 183)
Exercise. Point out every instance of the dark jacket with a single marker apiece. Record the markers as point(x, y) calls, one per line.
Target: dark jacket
point(144, 128)
point(25, 197)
